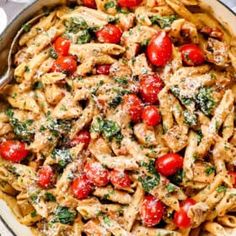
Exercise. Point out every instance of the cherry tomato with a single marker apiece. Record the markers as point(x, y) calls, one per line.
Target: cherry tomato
point(129, 3)
point(169, 164)
point(89, 3)
point(109, 34)
point(151, 116)
point(97, 174)
point(13, 150)
point(233, 176)
point(45, 176)
point(103, 69)
point(120, 179)
point(159, 50)
point(65, 64)
point(150, 86)
point(81, 187)
point(152, 211)
point(181, 218)
point(192, 55)
point(134, 106)
point(82, 137)
point(62, 46)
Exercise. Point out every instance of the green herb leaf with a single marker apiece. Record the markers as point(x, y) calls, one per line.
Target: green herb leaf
point(190, 118)
point(170, 188)
point(64, 215)
point(53, 53)
point(49, 197)
point(26, 27)
point(84, 37)
point(109, 5)
point(163, 21)
point(75, 24)
point(184, 100)
point(62, 156)
point(149, 182)
point(221, 189)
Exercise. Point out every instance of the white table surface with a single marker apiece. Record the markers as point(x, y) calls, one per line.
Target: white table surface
point(3, 22)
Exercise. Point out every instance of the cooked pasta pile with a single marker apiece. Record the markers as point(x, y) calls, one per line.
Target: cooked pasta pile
point(121, 121)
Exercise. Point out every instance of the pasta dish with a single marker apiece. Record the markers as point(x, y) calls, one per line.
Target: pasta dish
point(120, 121)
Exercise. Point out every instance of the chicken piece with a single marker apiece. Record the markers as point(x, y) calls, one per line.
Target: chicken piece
point(93, 228)
point(212, 32)
point(176, 138)
point(203, 172)
point(53, 94)
point(145, 134)
point(126, 21)
point(120, 69)
point(217, 52)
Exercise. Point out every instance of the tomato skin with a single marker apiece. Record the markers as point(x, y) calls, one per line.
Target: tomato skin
point(159, 50)
point(109, 34)
point(192, 55)
point(150, 86)
point(233, 176)
point(62, 46)
point(151, 116)
point(82, 137)
point(181, 218)
point(134, 106)
point(97, 174)
point(152, 211)
point(120, 179)
point(81, 187)
point(89, 3)
point(129, 3)
point(65, 64)
point(13, 150)
point(103, 69)
point(169, 164)
point(45, 176)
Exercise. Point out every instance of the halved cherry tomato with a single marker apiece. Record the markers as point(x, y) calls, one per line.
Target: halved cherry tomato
point(181, 218)
point(65, 64)
point(159, 50)
point(120, 179)
point(103, 69)
point(169, 164)
point(150, 86)
point(134, 105)
point(62, 46)
point(82, 137)
point(129, 3)
point(13, 150)
point(97, 174)
point(81, 187)
point(192, 55)
point(45, 176)
point(152, 211)
point(109, 34)
point(151, 116)
point(233, 176)
point(89, 3)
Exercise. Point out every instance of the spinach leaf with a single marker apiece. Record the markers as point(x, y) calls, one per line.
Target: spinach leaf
point(163, 21)
point(64, 215)
point(75, 24)
point(84, 37)
point(62, 156)
point(184, 99)
point(190, 118)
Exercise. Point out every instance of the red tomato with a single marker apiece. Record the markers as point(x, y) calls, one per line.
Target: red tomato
point(152, 211)
point(109, 34)
point(150, 86)
point(62, 46)
point(45, 176)
point(151, 116)
point(103, 69)
point(13, 150)
point(120, 179)
point(192, 55)
point(159, 50)
point(97, 174)
point(81, 187)
point(82, 137)
point(134, 106)
point(65, 64)
point(129, 3)
point(181, 218)
point(233, 176)
point(169, 164)
point(89, 3)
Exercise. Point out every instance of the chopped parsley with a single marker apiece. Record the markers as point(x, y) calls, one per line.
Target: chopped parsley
point(64, 215)
point(21, 129)
point(106, 220)
point(109, 5)
point(170, 188)
point(49, 197)
point(209, 170)
point(62, 156)
point(177, 177)
point(26, 27)
point(27, 69)
point(57, 127)
point(33, 214)
point(221, 189)
point(163, 21)
point(190, 118)
point(75, 24)
point(205, 101)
